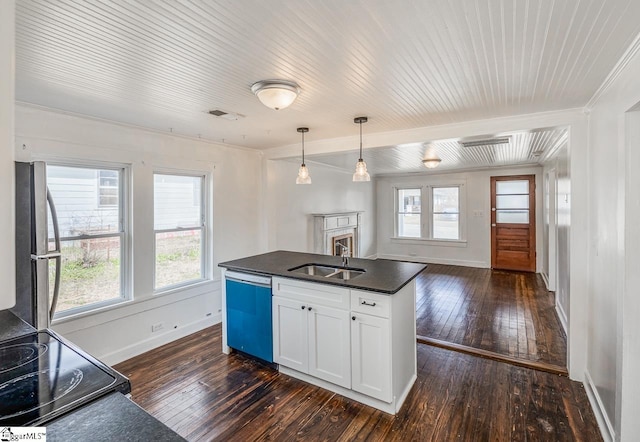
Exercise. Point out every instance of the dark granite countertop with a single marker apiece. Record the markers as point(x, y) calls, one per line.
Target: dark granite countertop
point(110, 418)
point(11, 326)
point(381, 275)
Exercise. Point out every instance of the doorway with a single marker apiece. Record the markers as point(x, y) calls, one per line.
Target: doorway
point(513, 218)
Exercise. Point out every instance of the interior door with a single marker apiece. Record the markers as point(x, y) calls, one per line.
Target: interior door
point(513, 223)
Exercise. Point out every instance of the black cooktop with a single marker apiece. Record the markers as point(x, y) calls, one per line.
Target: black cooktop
point(42, 377)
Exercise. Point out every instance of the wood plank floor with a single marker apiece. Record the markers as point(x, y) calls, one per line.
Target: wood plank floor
point(509, 313)
point(204, 395)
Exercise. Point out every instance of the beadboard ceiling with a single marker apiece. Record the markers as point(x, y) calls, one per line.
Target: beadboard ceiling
point(519, 149)
point(163, 64)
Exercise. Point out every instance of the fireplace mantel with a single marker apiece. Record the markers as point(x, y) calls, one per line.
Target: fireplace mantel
point(335, 224)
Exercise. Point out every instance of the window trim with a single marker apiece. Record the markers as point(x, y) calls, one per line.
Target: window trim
point(124, 176)
point(426, 222)
point(204, 227)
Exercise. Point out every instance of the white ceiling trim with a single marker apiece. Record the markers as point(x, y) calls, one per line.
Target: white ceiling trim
point(615, 72)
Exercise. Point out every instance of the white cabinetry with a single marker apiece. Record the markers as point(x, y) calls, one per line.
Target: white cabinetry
point(357, 343)
point(309, 336)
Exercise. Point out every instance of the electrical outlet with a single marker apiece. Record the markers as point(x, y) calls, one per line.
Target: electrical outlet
point(157, 327)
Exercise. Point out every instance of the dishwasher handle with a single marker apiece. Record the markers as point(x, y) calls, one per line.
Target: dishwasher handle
point(248, 278)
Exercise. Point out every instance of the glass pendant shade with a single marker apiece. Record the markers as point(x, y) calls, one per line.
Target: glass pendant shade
point(276, 94)
point(361, 173)
point(303, 172)
point(303, 175)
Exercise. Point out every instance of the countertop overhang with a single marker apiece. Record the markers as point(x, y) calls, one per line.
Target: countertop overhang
point(381, 275)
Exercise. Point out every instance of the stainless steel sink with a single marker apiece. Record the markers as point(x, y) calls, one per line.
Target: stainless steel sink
point(337, 272)
point(346, 275)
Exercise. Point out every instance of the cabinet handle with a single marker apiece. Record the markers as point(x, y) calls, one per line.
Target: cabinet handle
point(309, 308)
point(303, 307)
point(353, 318)
point(366, 303)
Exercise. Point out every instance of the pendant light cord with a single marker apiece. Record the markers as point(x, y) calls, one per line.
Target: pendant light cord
point(303, 148)
point(360, 159)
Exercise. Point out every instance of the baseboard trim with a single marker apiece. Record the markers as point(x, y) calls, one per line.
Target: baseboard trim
point(562, 316)
point(433, 260)
point(145, 345)
point(606, 429)
point(545, 278)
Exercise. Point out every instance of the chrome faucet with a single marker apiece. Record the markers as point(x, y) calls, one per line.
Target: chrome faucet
point(345, 254)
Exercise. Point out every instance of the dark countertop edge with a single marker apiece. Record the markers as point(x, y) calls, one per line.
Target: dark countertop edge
point(229, 265)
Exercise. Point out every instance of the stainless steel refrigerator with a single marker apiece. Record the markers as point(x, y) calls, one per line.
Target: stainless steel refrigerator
point(37, 249)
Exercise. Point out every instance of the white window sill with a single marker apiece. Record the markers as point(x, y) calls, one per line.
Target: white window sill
point(430, 242)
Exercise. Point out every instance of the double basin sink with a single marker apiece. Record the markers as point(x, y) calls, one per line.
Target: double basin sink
point(328, 271)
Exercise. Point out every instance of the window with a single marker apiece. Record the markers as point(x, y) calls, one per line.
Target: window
point(179, 228)
point(446, 212)
point(442, 207)
point(107, 188)
point(93, 237)
point(409, 213)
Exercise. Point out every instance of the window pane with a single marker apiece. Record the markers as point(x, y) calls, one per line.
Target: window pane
point(446, 226)
point(512, 216)
point(177, 201)
point(511, 187)
point(79, 201)
point(445, 200)
point(512, 201)
point(409, 201)
point(90, 272)
point(178, 257)
point(409, 225)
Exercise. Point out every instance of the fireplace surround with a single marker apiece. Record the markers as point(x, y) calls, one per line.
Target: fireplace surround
point(338, 227)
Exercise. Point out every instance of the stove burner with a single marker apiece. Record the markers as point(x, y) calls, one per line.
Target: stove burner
point(18, 394)
point(14, 356)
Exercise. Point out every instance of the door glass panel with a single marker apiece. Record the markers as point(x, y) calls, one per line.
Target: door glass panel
point(512, 216)
point(512, 201)
point(512, 187)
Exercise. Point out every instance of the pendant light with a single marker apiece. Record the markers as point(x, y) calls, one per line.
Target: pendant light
point(361, 173)
point(303, 172)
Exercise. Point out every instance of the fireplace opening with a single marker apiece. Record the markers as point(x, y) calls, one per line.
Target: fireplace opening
point(344, 241)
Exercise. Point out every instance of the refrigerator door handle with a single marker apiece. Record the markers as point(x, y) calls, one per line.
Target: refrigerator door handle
point(55, 254)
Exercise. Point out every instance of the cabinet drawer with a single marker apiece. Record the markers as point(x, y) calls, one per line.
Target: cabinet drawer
point(370, 303)
point(318, 294)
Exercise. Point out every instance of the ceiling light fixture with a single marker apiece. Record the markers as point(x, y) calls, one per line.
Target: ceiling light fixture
point(276, 94)
point(361, 173)
point(303, 172)
point(431, 163)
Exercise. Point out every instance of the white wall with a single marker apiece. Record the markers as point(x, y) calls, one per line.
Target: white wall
point(560, 164)
point(7, 93)
point(291, 205)
point(614, 329)
point(120, 332)
point(476, 251)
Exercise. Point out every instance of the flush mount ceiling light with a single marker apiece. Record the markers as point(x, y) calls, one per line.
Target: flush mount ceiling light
point(431, 163)
point(303, 172)
point(361, 173)
point(276, 94)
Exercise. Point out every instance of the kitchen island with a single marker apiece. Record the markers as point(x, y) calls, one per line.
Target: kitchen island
point(354, 335)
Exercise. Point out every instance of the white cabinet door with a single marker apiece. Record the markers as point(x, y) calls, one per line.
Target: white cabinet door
point(330, 345)
point(290, 341)
point(371, 356)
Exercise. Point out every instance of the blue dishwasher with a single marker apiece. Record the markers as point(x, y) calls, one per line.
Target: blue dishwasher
point(249, 324)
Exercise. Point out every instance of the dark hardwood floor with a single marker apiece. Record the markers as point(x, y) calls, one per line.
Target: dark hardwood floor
point(508, 313)
point(194, 388)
